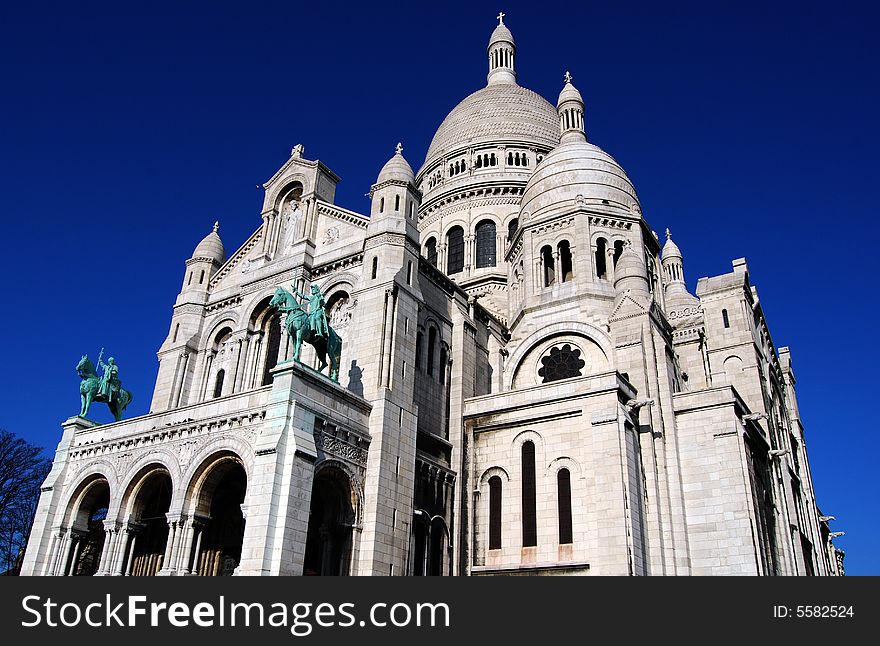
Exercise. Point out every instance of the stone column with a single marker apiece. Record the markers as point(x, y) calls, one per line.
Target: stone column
point(169, 545)
point(71, 570)
point(242, 373)
point(61, 553)
point(609, 263)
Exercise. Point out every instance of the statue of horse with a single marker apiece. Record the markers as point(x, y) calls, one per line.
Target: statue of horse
point(89, 390)
point(297, 326)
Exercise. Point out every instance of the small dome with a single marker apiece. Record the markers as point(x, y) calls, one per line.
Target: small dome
point(211, 247)
point(577, 172)
point(569, 92)
point(396, 168)
point(501, 35)
point(670, 249)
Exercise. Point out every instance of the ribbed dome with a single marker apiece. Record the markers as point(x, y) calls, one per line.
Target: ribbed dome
point(211, 247)
point(670, 249)
point(578, 172)
point(501, 34)
point(497, 113)
point(396, 168)
point(569, 93)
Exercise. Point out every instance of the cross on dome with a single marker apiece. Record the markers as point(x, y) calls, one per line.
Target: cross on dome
point(216, 226)
point(500, 17)
point(399, 148)
point(668, 234)
point(567, 76)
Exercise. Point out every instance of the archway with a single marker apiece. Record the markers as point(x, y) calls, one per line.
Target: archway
point(219, 494)
point(88, 528)
point(331, 518)
point(152, 498)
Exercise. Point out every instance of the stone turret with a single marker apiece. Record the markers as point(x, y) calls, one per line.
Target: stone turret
point(207, 258)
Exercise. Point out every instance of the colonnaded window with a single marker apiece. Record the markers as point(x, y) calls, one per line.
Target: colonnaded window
point(431, 251)
point(455, 250)
point(549, 266)
point(486, 244)
point(566, 267)
point(562, 362)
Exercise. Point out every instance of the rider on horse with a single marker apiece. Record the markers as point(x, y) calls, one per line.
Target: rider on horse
point(110, 383)
point(317, 314)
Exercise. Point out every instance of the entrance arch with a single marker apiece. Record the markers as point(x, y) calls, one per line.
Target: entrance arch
point(87, 527)
point(150, 498)
point(331, 520)
point(217, 494)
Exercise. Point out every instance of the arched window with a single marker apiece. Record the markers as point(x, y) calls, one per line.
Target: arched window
point(273, 348)
point(563, 493)
point(512, 227)
point(493, 160)
point(601, 254)
point(618, 250)
point(431, 251)
point(455, 250)
point(190, 279)
point(202, 277)
point(566, 268)
point(375, 266)
point(432, 342)
point(382, 205)
point(479, 162)
point(510, 159)
point(494, 513)
point(485, 244)
point(549, 266)
point(529, 497)
point(725, 318)
point(396, 202)
point(443, 361)
point(561, 363)
point(419, 338)
point(218, 383)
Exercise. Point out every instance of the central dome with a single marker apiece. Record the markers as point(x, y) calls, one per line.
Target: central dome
point(504, 112)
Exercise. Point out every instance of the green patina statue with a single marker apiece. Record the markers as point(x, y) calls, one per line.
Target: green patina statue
point(310, 326)
point(106, 388)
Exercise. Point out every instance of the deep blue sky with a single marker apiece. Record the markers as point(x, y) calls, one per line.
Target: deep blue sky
point(126, 129)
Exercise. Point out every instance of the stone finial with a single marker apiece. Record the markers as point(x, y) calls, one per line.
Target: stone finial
point(567, 76)
point(399, 148)
point(298, 150)
point(668, 234)
point(500, 17)
point(216, 226)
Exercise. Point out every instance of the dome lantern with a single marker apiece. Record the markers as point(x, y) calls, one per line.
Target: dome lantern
point(571, 113)
point(502, 52)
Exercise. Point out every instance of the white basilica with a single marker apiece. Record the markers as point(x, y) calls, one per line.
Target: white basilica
point(526, 386)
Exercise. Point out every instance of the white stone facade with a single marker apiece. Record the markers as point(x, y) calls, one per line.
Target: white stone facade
point(526, 386)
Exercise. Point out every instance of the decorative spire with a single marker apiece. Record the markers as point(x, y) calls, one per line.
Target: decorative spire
point(216, 226)
point(570, 107)
point(668, 234)
point(502, 52)
point(399, 148)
